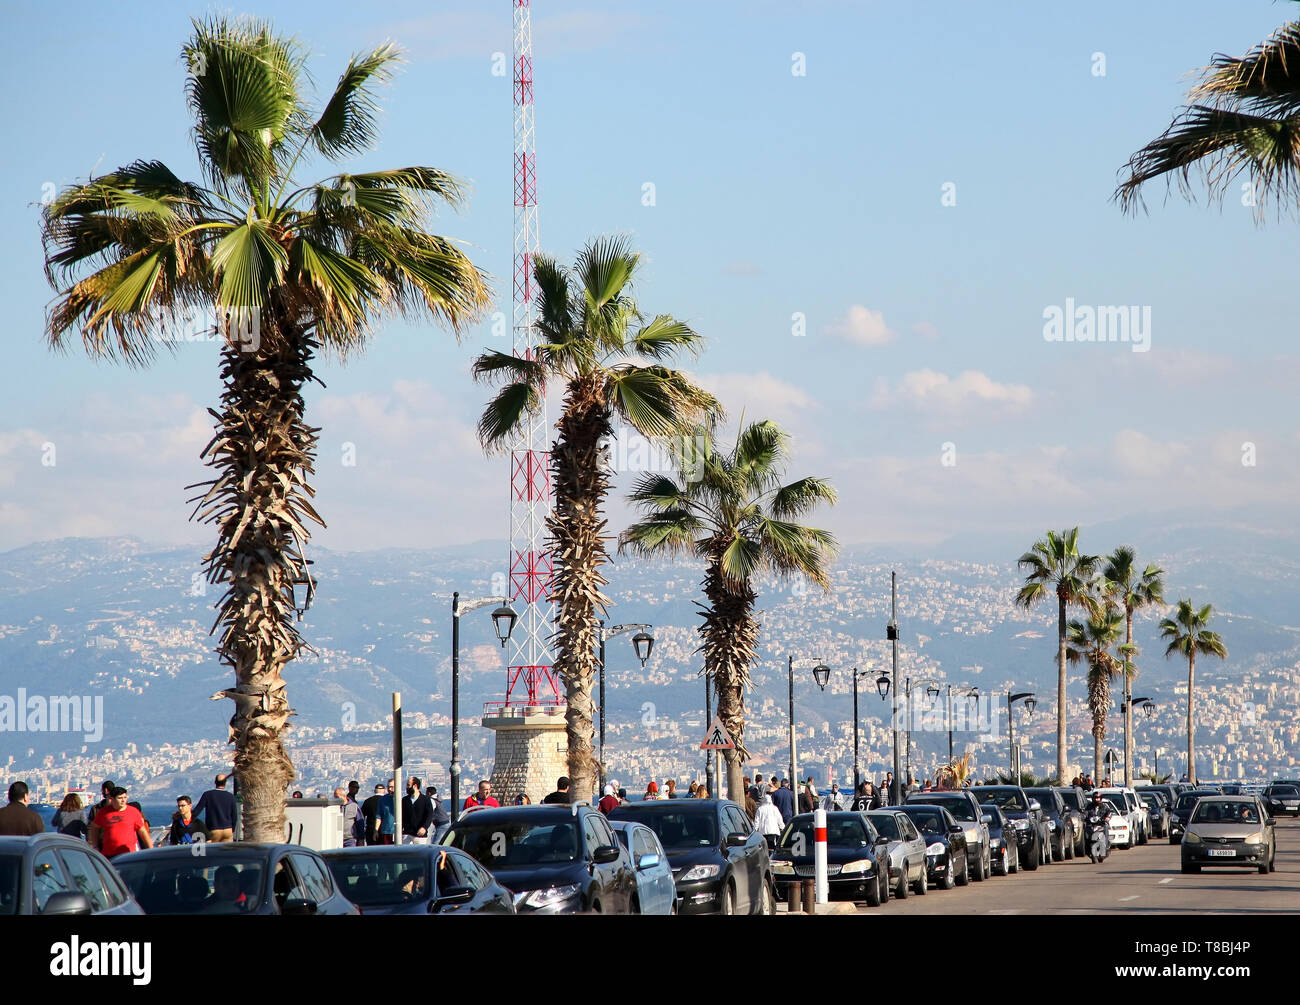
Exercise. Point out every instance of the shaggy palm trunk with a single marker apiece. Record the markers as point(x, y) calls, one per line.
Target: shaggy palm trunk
point(1060, 689)
point(1128, 696)
point(578, 543)
point(1191, 729)
point(1099, 703)
point(262, 453)
point(730, 637)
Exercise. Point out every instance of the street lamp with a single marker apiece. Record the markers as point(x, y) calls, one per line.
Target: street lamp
point(972, 692)
point(503, 621)
point(642, 643)
point(1126, 708)
point(891, 635)
point(882, 685)
point(1030, 701)
point(821, 674)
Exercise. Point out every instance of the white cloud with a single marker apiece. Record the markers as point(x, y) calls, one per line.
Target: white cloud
point(1139, 455)
point(930, 390)
point(862, 326)
point(758, 396)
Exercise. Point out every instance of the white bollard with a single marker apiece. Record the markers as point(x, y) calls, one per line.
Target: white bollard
point(819, 852)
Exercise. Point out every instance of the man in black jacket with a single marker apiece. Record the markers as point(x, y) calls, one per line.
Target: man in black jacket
point(417, 814)
point(561, 793)
point(441, 818)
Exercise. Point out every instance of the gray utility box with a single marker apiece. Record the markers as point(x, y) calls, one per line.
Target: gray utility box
point(314, 823)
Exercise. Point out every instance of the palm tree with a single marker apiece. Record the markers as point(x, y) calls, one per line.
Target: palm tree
point(1133, 592)
point(730, 509)
point(295, 270)
point(1189, 634)
point(1057, 568)
point(1244, 117)
point(591, 329)
point(1090, 641)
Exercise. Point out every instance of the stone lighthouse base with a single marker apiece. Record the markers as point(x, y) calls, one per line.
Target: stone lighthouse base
point(531, 751)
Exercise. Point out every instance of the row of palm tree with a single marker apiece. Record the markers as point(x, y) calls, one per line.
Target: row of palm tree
point(1109, 591)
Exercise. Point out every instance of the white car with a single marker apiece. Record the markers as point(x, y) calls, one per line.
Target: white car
point(1121, 831)
point(1133, 808)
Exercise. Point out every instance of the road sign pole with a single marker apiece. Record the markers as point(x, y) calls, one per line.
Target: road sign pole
point(819, 861)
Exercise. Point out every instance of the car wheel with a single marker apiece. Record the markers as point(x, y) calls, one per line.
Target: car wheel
point(979, 873)
point(1033, 859)
point(1068, 846)
point(767, 903)
point(1272, 861)
point(884, 885)
point(728, 898)
point(900, 892)
point(873, 894)
point(1142, 836)
point(1015, 866)
point(964, 878)
point(635, 906)
point(948, 881)
point(923, 884)
point(595, 907)
point(1191, 868)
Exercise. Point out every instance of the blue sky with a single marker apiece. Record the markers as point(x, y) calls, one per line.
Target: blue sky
point(775, 195)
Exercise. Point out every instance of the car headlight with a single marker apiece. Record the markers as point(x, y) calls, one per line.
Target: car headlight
point(995, 842)
point(936, 849)
point(1192, 838)
point(552, 895)
point(973, 836)
point(1051, 825)
point(700, 872)
point(1256, 838)
point(781, 868)
point(858, 865)
point(1022, 825)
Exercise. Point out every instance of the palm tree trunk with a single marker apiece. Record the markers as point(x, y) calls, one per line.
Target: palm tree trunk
point(1096, 756)
point(1060, 690)
point(262, 453)
point(1191, 728)
point(1128, 695)
point(577, 527)
point(730, 637)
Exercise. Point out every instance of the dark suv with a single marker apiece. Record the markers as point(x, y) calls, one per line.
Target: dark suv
point(719, 862)
point(1060, 828)
point(1030, 824)
point(554, 859)
point(965, 807)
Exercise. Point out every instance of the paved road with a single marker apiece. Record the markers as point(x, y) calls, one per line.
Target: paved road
point(1143, 880)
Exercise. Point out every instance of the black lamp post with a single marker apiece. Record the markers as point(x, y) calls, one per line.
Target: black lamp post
point(1126, 709)
point(503, 622)
point(1030, 701)
point(642, 643)
point(821, 674)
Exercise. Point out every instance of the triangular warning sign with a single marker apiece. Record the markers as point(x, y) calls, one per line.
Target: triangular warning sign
point(717, 738)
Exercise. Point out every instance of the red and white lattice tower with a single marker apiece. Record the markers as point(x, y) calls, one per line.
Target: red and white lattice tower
point(529, 677)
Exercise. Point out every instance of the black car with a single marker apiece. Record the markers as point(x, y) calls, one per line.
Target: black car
point(1029, 822)
point(416, 879)
point(1182, 810)
point(857, 857)
point(555, 859)
point(57, 874)
point(1003, 841)
point(719, 862)
point(1281, 798)
point(1060, 830)
point(947, 853)
point(964, 805)
point(232, 878)
point(1075, 802)
point(1157, 810)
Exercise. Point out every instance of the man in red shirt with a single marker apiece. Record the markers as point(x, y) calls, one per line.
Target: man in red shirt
point(484, 797)
point(119, 828)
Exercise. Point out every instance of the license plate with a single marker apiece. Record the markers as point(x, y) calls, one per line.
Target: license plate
point(1223, 853)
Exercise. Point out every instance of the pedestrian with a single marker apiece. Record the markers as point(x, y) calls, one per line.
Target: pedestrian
point(441, 816)
point(18, 819)
point(351, 812)
point(862, 801)
point(888, 790)
point(751, 805)
point(561, 793)
point(483, 797)
point(354, 787)
point(757, 789)
point(608, 801)
point(219, 807)
point(386, 814)
point(523, 799)
point(833, 800)
point(120, 829)
point(783, 800)
point(186, 827)
point(767, 821)
point(417, 814)
point(808, 797)
point(71, 818)
point(370, 811)
point(690, 792)
point(671, 785)
point(651, 791)
point(701, 793)
point(106, 788)
point(623, 799)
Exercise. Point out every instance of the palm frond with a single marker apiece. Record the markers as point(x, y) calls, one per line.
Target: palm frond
point(505, 412)
point(347, 123)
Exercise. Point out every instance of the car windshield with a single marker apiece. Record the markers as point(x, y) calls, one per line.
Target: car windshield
point(1189, 799)
point(382, 880)
point(1007, 799)
point(678, 831)
point(1108, 806)
point(1151, 799)
point(887, 826)
point(170, 884)
point(1071, 798)
point(10, 866)
point(1285, 790)
point(1044, 797)
point(499, 843)
point(1222, 811)
point(930, 821)
point(959, 807)
point(840, 832)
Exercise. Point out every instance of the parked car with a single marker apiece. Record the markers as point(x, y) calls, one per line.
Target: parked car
point(905, 848)
point(1233, 789)
point(1003, 844)
point(1170, 792)
point(1026, 816)
point(719, 862)
point(1132, 807)
point(1060, 829)
point(1074, 799)
point(55, 874)
point(857, 858)
point(232, 878)
point(554, 859)
point(1157, 811)
point(947, 857)
point(964, 805)
point(416, 879)
point(1119, 829)
point(1182, 810)
point(1229, 830)
point(656, 892)
point(1281, 798)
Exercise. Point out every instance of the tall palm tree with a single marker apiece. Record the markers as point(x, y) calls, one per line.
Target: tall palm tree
point(1132, 591)
point(1244, 116)
point(1056, 568)
point(592, 332)
point(1189, 634)
point(290, 270)
point(1090, 641)
point(730, 509)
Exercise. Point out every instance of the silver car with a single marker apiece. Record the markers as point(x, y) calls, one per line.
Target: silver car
point(907, 866)
point(1229, 830)
point(655, 890)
